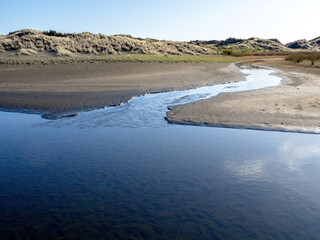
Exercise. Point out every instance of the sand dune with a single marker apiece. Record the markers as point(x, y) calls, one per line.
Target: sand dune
point(32, 42)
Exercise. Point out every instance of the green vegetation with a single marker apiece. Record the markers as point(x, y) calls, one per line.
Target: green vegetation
point(265, 53)
point(301, 56)
point(227, 51)
point(131, 58)
point(236, 52)
point(168, 58)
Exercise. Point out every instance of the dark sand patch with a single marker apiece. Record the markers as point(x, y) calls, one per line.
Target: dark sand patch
point(83, 86)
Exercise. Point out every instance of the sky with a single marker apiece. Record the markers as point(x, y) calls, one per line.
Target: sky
point(180, 20)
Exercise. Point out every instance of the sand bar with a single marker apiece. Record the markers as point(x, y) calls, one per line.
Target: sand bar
point(293, 106)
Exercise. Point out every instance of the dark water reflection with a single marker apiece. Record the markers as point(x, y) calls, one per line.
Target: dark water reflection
point(179, 182)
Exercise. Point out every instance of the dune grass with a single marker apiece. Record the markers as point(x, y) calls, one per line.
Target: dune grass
point(169, 58)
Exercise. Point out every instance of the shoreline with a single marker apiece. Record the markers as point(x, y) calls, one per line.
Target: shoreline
point(244, 127)
point(291, 107)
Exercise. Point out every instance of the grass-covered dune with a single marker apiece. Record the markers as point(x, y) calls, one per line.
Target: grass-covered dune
point(245, 45)
point(32, 42)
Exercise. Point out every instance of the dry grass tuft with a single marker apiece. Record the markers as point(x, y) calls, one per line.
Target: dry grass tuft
point(27, 52)
point(301, 56)
point(61, 52)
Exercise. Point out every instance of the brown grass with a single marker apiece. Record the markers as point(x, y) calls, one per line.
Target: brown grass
point(269, 53)
point(301, 56)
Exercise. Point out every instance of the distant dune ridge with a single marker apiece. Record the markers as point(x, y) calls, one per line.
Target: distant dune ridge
point(32, 42)
point(250, 44)
point(258, 44)
point(303, 44)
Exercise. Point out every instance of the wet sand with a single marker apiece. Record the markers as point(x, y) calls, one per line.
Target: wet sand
point(293, 106)
point(68, 88)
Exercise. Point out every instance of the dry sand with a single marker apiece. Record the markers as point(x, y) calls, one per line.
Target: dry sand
point(293, 106)
point(69, 88)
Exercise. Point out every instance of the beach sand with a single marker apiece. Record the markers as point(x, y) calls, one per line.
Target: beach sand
point(69, 88)
point(293, 106)
point(64, 89)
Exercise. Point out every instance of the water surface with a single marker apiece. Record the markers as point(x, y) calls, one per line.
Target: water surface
point(125, 173)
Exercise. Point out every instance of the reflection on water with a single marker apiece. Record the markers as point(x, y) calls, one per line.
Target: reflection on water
point(76, 179)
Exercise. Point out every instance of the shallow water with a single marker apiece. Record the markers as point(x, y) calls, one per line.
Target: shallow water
point(124, 173)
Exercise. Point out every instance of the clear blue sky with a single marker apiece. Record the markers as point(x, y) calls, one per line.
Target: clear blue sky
point(181, 20)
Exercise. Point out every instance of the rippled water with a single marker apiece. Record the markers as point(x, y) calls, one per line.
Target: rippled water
point(124, 173)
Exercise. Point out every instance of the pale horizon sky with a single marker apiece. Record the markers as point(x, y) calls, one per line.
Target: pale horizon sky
point(180, 20)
